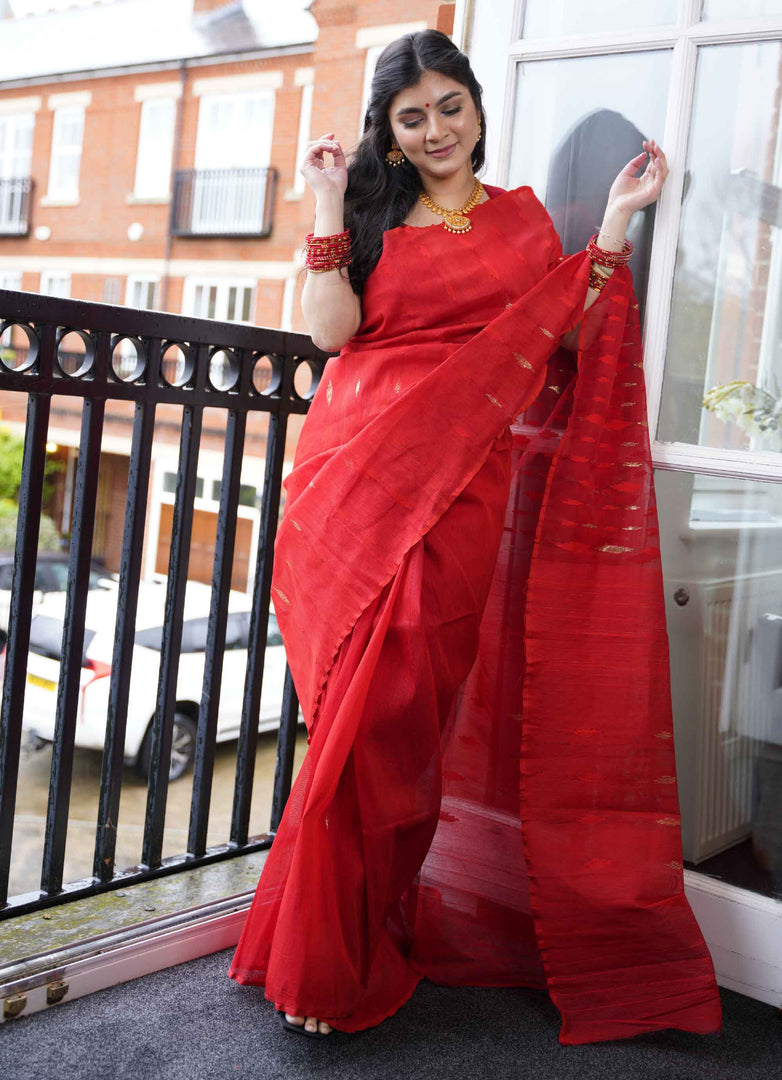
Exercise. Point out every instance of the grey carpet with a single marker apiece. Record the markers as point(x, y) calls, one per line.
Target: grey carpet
point(191, 1022)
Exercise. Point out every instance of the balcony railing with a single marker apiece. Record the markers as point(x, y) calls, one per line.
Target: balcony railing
point(223, 202)
point(51, 346)
point(15, 199)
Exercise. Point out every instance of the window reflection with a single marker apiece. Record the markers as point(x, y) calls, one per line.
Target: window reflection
point(577, 123)
point(547, 18)
point(722, 569)
point(724, 361)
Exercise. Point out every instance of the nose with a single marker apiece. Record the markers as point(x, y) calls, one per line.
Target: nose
point(435, 129)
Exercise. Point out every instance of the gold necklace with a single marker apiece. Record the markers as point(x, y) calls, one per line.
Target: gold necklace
point(455, 221)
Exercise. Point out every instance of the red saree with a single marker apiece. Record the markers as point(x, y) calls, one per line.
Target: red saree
point(468, 583)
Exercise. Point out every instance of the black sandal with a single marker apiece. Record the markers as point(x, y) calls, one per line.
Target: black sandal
point(300, 1028)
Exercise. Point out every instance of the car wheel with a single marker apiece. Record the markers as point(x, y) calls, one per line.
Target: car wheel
point(183, 742)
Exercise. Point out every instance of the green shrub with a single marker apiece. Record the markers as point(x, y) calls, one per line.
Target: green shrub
point(48, 536)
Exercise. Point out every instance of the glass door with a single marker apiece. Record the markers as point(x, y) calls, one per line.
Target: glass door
point(581, 92)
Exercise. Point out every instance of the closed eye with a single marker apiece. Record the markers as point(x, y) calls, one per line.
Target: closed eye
point(446, 112)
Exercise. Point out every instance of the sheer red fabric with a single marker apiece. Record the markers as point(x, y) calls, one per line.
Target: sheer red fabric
point(467, 579)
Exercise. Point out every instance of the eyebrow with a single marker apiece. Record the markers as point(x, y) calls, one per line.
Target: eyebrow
point(415, 108)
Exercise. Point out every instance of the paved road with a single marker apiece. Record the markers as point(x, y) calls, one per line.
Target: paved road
point(32, 799)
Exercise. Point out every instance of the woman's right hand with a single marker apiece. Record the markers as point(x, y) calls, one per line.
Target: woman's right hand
point(322, 179)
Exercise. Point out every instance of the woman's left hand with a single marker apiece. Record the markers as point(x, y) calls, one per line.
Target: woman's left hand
point(630, 193)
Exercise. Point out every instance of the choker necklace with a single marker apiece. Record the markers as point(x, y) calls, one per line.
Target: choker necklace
point(455, 221)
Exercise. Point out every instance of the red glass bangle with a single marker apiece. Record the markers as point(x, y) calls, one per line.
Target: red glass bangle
point(608, 258)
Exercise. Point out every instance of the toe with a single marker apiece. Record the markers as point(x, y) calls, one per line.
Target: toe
point(323, 1027)
point(294, 1019)
point(312, 1023)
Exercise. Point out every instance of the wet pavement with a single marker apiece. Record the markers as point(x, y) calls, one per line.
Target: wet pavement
point(32, 799)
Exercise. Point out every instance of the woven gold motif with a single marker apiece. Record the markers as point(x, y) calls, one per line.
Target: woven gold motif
point(556, 389)
point(674, 864)
point(282, 594)
point(522, 361)
point(494, 401)
point(328, 393)
point(547, 333)
point(295, 524)
point(632, 464)
point(663, 734)
point(398, 386)
point(613, 547)
point(358, 384)
point(667, 821)
point(665, 780)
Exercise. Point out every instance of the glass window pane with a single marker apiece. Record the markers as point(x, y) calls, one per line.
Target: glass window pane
point(548, 18)
point(720, 540)
point(577, 122)
point(724, 356)
point(740, 9)
point(155, 144)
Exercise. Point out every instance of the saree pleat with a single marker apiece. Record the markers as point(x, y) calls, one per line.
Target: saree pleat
point(467, 580)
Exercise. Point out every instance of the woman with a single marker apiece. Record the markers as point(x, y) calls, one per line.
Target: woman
point(467, 581)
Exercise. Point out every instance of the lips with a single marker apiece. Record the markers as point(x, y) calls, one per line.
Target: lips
point(443, 151)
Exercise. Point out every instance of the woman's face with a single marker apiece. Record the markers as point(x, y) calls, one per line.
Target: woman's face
point(436, 113)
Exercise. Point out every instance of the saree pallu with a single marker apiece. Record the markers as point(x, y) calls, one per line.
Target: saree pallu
point(467, 580)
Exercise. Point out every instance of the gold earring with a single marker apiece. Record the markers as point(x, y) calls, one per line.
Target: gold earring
point(479, 127)
point(395, 155)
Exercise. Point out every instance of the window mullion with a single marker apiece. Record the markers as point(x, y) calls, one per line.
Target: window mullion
point(665, 238)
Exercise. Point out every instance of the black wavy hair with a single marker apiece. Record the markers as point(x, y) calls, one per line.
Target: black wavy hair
point(379, 196)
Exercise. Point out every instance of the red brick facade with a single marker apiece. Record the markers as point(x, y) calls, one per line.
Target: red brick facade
point(96, 228)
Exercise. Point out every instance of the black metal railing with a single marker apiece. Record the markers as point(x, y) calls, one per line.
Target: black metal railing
point(223, 202)
point(263, 363)
point(15, 199)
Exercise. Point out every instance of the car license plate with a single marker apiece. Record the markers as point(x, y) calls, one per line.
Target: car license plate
point(46, 684)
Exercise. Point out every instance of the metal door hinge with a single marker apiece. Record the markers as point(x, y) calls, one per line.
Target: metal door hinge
point(55, 992)
point(13, 1005)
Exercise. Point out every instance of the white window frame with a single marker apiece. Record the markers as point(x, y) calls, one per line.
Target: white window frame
point(11, 280)
point(370, 63)
point(741, 927)
point(154, 155)
point(48, 285)
point(204, 153)
point(62, 151)
point(13, 121)
point(492, 38)
point(142, 282)
point(305, 134)
point(222, 285)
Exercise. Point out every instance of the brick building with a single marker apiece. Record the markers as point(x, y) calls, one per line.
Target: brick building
point(149, 156)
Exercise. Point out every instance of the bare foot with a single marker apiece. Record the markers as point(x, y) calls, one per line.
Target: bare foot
point(311, 1023)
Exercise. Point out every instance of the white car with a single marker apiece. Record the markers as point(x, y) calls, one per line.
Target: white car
point(51, 575)
point(43, 672)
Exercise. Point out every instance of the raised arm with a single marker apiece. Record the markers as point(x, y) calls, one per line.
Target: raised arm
point(330, 307)
point(627, 195)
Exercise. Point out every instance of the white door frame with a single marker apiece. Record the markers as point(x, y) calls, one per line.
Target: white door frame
point(742, 929)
